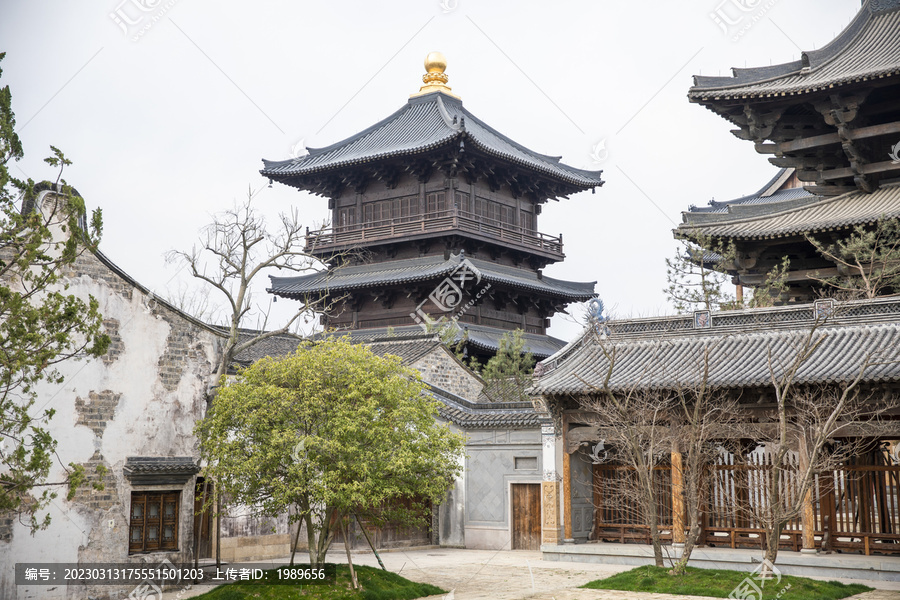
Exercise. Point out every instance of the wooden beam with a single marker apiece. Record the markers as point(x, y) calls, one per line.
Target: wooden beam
point(834, 138)
point(869, 169)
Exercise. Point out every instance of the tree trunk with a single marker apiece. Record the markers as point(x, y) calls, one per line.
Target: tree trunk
point(318, 549)
point(371, 545)
point(218, 498)
point(772, 542)
point(296, 540)
point(653, 517)
point(311, 541)
point(199, 534)
point(346, 527)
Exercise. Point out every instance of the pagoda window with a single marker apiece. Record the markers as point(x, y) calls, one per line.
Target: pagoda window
point(463, 202)
point(436, 202)
point(526, 220)
point(346, 217)
point(494, 211)
point(481, 207)
point(507, 215)
point(406, 207)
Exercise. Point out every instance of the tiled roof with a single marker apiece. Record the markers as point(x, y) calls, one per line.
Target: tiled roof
point(765, 195)
point(425, 123)
point(409, 350)
point(666, 352)
point(275, 346)
point(470, 415)
point(793, 217)
point(867, 49)
point(480, 336)
point(160, 465)
point(423, 269)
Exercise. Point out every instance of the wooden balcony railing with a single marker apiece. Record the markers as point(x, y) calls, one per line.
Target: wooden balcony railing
point(446, 220)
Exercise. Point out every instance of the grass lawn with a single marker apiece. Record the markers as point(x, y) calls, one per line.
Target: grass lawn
point(719, 583)
point(375, 583)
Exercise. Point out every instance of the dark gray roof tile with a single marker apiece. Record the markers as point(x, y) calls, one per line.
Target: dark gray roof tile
point(423, 269)
point(424, 123)
point(666, 352)
point(867, 49)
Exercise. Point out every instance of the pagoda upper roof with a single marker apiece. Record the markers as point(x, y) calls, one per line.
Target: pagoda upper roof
point(868, 48)
point(791, 214)
point(413, 270)
point(427, 122)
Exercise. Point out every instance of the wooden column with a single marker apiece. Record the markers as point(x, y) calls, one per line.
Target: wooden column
point(677, 496)
point(808, 513)
point(567, 493)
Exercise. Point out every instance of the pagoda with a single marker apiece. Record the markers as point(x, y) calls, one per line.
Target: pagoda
point(434, 218)
point(831, 122)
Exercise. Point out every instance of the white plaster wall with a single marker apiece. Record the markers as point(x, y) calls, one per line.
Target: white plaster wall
point(148, 420)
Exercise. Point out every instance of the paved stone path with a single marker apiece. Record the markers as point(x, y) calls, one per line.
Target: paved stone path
point(518, 575)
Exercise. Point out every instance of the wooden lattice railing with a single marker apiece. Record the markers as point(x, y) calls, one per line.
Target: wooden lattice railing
point(446, 220)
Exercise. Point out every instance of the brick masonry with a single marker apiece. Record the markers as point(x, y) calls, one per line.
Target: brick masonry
point(98, 500)
point(99, 409)
point(116, 346)
point(182, 347)
point(442, 370)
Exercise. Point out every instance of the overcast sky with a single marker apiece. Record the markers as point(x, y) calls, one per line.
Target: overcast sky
point(167, 106)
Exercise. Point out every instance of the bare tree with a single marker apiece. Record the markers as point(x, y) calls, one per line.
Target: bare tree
point(704, 418)
point(634, 427)
point(696, 277)
point(232, 252)
point(868, 261)
point(805, 421)
point(645, 424)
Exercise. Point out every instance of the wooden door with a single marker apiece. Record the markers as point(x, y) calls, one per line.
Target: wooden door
point(526, 516)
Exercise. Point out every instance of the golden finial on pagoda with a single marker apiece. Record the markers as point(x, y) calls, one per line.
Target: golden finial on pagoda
point(434, 79)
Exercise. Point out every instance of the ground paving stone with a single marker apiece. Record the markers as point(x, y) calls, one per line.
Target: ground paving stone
point(509, 575)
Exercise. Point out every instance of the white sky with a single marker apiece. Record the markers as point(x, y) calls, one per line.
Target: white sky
point(167, 124)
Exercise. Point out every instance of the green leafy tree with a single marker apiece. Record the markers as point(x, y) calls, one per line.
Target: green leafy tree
point(40, 325)
point(868, 261)
point(508, 374)
point(330, 432)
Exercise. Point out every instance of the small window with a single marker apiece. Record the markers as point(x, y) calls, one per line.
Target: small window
point(347, 217)
point(526, 463)
point(435, 202)
point(526, 220)
point(463, 202)
point(154, 521)
point(409, 207)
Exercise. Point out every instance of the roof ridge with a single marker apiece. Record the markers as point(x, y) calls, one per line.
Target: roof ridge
point(823, 200)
